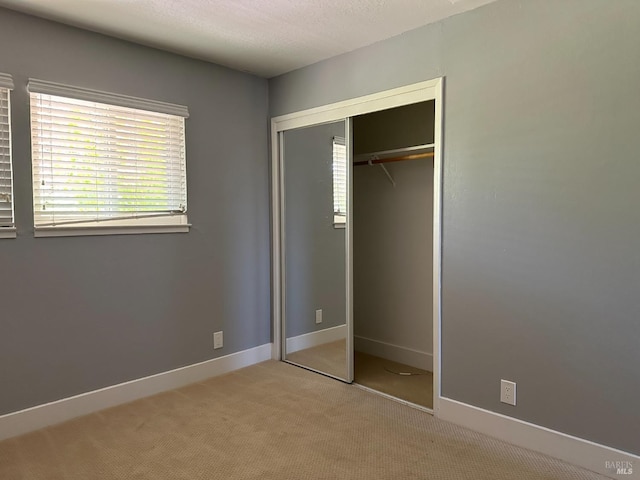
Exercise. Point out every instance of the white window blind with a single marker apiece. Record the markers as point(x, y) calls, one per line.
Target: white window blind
point(6, 177)
point(97, 162)
point(339, 180)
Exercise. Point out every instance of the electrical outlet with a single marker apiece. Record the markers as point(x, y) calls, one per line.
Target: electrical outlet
point(218, 340)
point(508, 392)
point(319, 316)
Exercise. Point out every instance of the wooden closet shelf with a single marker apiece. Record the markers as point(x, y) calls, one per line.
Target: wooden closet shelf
point(401, 158)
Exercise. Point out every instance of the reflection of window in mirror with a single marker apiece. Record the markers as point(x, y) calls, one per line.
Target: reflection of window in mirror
point(339, 182)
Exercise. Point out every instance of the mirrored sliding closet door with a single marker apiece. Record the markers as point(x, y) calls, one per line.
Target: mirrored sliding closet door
point(314, 230)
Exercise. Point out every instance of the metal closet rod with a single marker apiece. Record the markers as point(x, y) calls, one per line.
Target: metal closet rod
point(402, 158)
point(398, 155)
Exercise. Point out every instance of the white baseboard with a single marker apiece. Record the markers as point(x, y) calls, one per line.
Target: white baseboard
point(24, 421)
point(313, 339)
point(574, 450)
point(396, 353)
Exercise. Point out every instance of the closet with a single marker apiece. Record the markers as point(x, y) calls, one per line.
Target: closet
point(392, 198)
point(356, 210)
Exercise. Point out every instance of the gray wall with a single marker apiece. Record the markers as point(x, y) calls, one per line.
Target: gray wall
point(314, 249)
point(541, 266)
point(80, 313)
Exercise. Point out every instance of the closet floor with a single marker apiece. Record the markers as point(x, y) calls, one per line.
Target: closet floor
point(383, 375)
point(370, 371)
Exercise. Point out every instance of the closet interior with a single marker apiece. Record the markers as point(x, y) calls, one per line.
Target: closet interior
point(392, 251)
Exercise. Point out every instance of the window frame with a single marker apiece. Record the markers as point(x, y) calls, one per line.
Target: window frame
point(143, 224)
point(6, 83)
point(339, 219)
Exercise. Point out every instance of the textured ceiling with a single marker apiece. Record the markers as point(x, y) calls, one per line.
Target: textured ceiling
point(264, 37)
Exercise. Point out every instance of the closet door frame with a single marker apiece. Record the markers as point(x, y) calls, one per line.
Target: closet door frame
point(397, 97)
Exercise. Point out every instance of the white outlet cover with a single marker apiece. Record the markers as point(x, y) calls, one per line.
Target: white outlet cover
point(218, 340)
point(319, 316)
point(508, 392)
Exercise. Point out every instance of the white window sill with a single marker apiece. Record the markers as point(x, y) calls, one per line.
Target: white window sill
point(79, 231)
point(8, 232)
point(339, 221)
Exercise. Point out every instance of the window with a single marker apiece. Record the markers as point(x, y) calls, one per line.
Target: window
point(339, 181)
point(7, 227)
point(105, 163)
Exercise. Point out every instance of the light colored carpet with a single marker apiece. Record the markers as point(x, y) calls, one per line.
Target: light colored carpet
point(269, 421)
point(329, 358)
point(376, 373)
